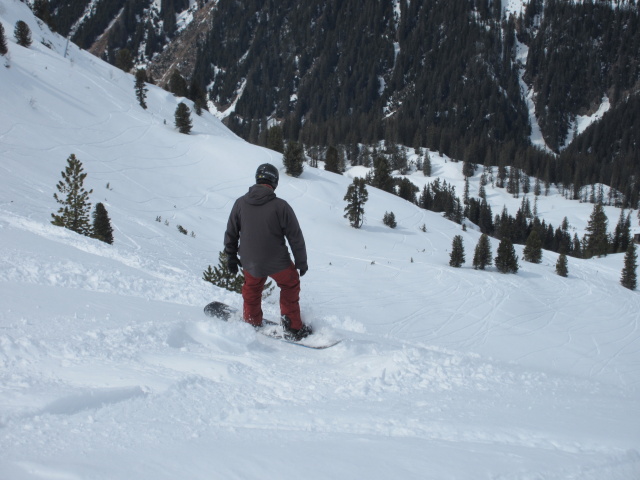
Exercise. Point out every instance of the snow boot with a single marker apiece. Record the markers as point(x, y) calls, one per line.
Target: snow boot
point(292, 333)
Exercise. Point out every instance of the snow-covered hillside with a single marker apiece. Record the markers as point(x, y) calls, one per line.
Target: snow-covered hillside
point(110, 370)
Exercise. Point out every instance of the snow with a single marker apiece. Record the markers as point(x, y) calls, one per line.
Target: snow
point(582, 122)
point(186, 17)
point(536, 137)
point(110, 370)
point(513, 7)
point(91, 5)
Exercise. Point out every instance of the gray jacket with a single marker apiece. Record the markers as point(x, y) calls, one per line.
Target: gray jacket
point(259, 222)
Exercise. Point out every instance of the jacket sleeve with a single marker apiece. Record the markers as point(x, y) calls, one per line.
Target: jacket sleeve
point(294, 236)
point(232, 234)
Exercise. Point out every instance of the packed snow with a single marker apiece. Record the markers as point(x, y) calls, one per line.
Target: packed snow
point(110, 370)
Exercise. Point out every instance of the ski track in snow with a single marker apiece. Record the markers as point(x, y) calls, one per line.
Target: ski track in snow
point(161, 368)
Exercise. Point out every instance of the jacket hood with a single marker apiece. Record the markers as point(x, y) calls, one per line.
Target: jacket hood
point(259, 195)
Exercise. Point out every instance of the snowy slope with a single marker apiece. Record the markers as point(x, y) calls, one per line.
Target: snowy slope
point(109, 370)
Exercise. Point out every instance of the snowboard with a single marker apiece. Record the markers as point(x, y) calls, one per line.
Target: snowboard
point(269, 328)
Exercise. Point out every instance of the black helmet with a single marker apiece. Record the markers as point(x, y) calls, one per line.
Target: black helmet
point(267, 173)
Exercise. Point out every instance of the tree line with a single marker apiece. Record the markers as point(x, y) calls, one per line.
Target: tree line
point(406, 78)
point(525, 228)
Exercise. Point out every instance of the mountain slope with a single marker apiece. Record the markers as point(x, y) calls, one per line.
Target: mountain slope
point(487, 82)
point(110, 370)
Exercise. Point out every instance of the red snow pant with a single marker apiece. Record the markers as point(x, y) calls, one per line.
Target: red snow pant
point(289, 282)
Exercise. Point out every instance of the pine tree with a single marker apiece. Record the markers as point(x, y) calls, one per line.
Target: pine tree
point(124, 60)
point(141, 88)
point(465, 195)
point(506, 260)
point(562, 267)
point(274, 139)
point(199, 97)
point(399, 160)
point(622, 234)
point(576, 247)
point(3, 41)
point(596, 238)
point(102, 225)
point(75, 209)
point(457, 252)
point(533, 248)
point(293, 159)
point(389, 219)
point(426, 166)
point(178, 85)
point(407, 190)
point(183, 119)
point(200, 104)
point(626, 237)
point(629, 277)
point(356, 197)
point(537, 188)
point(222, 277)
point(332, 160)
point(382, 177)
point(468, 169)
point(22, 33)
point(482, 254)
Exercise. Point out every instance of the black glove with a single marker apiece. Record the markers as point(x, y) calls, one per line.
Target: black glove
point(232, 263)
point(303, 269)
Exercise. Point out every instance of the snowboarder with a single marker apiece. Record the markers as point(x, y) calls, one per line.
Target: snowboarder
point(259, 222)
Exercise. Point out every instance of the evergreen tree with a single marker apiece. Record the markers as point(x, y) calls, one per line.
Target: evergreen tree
point(124, 60)
point(293, 159)
point(502, 175)
point(199, 97)
point(465, 194)
point(468, 169)
point(622, 234)
point(183, 119)
point(141, 88)
point(626, 237)
point(513, 185)
point(629, 277)
point(222, 277)
point(356, 197)
point(382, 178)
point(332, 160)
point(274, 139)
point(506, 260)
point(200, 104)
point(178, 85)
point(576, 247)
point(22, 33)
point(426, 166)
point(75, 209)
point(3, 41)
point(399, 160)
point(482, 254)
point(537, 188)
point(389, 219)
point(457, 252)
point(407, 190)
point(562, 267)
point(102, 224)
point(533, 248)
point(596, 239)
